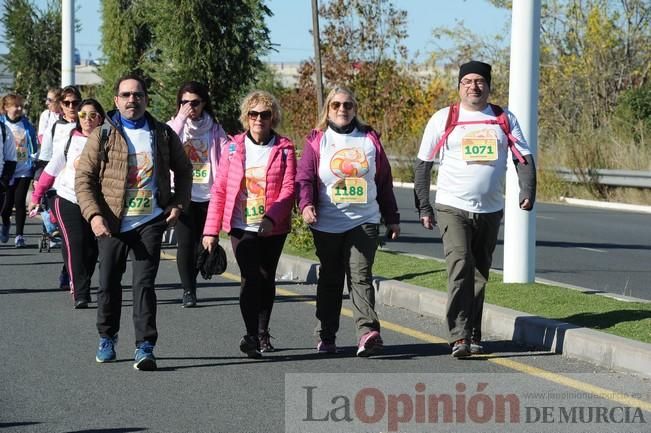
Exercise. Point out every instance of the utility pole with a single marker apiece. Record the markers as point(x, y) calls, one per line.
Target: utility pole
point(317, 54)
point(520, 225)
point(67, 42)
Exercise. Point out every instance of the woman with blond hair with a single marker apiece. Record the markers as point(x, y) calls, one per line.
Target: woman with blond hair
point(345, 190)
point(252, 201)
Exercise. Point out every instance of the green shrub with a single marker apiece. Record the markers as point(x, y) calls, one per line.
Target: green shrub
point(300, 237)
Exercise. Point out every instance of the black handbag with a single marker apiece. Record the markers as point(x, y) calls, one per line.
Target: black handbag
point(211, 263)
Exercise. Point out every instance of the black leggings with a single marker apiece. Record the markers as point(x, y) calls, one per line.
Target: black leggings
point(188, 231)
point(16, 194)
point(257, 258)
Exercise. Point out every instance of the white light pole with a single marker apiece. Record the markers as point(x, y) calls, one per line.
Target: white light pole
point(519, 225)
point(67, 42)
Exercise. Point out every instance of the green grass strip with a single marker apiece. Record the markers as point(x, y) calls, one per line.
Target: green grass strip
point(626, 319)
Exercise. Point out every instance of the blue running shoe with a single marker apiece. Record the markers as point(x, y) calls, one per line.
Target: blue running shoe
point(4, 233)
point(106, 349)
point(144, 357)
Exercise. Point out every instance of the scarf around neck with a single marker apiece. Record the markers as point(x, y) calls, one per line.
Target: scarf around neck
point(196, 128)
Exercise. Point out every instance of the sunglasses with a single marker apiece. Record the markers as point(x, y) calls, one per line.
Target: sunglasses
point(70, 103)
point(264, 115)
point(334, 105)
point(92, 115)
point(127, 95)
point(194, 103)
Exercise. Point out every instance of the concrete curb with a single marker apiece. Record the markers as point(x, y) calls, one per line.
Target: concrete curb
point(600, 348)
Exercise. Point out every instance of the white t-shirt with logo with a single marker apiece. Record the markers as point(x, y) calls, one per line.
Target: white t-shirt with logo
point(347, 190)
point(60, 137)
point(198, 151)
point(64, 167)
point(19, 132)
point(140, 204)
point(473, 161)
point(250, 204)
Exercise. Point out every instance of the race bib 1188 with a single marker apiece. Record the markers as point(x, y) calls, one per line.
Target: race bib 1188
point(350, 190)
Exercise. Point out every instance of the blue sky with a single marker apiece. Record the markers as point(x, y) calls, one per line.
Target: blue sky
point(292, 21)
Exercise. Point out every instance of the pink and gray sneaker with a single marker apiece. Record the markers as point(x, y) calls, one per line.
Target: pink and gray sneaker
point(370, 344)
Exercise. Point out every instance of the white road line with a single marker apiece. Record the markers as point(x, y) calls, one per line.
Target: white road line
point(592, 249)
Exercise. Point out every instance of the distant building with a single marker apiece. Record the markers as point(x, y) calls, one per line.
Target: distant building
point(85, 76)
point(287, 73)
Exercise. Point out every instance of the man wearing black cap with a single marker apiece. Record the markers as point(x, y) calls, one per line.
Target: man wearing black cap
point(474, 139)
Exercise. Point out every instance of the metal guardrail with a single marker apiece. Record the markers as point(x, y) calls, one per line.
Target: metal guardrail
point(609, 177)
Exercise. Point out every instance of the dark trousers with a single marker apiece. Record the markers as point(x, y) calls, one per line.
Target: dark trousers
point(257, 258)
point(469, 240)
point(79, 248)
point(16, 195)
point(348, 255)
point(188, 231)
point(142, 245)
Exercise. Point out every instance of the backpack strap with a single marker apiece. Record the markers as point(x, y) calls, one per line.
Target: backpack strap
point(450, 123)
point(103, 139)
point(65, 151)
point(4, 132)
point(503, 121)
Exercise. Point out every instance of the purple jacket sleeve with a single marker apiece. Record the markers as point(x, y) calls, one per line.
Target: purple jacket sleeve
point(307, 173)
point(384, 182)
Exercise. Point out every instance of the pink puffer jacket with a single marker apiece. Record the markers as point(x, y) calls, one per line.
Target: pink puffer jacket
point(279, 193)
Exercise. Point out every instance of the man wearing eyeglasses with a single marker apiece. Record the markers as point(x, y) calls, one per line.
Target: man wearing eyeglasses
point(474, 139)
point(123, 189)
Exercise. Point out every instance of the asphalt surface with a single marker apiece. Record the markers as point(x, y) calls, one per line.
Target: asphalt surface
point(50, 382)
point(599, 249)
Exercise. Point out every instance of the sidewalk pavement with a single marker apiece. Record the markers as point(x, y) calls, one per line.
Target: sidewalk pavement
point(600, 348)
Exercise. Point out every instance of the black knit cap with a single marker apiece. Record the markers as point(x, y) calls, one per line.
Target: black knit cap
point(475, 67)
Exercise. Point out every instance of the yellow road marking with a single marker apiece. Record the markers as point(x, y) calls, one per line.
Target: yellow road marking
point(506, 363)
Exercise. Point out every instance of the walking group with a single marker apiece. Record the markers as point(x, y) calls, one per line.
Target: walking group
point(115, 181)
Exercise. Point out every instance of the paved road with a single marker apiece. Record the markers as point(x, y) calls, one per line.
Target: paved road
point(599, 249)
point(49, 381)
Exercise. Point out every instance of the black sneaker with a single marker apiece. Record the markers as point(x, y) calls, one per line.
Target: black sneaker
point(189, 299)
point(81, 304)
point(476, 347)
point(265, 342)
point(250, 345)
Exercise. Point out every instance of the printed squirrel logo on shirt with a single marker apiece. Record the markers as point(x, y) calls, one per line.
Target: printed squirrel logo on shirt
point(138, 201)
point(197, 152)
point(479, 146)
point(350, 166)
point(255, 184)
point(21, 145)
